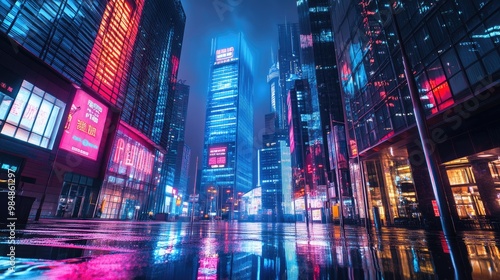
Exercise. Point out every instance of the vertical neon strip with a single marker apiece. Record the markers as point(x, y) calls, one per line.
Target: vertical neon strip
point(106, 70)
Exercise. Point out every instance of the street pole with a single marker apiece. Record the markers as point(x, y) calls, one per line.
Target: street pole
point(194, 191)
point(423, 131)
point(338, 174)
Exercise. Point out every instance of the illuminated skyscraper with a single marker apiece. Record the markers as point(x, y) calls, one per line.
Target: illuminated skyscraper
point(319, 66)
point(147, 110)
point(289, 64)
point(119, 65)
point(177, 158)
point(275, 172)
point(453, 49)
point(228, 147)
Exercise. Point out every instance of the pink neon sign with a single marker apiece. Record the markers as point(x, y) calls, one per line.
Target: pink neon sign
point(131, 153)
point(217, 157)
point(83, 129)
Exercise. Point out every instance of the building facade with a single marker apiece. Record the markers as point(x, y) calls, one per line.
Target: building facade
point(307, 200)
point(275, 178)
point(177, 153)
point(228, 145)
point(453, 48)
point(147, 108)
point(319, 66)
point(95, 46)
point(289, 65)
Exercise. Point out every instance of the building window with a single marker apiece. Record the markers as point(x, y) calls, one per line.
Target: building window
point(33, 117)
point(460, 176)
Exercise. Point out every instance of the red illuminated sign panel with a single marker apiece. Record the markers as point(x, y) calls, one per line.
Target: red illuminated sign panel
point(83, 129)
point(435, 208)
point(217, 157)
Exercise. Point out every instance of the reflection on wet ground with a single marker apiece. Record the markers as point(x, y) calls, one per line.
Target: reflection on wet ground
point(63, 249)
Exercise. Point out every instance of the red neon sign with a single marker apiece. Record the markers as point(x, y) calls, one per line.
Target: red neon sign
point(84, 126)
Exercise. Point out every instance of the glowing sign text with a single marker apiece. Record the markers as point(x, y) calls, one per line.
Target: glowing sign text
point(84, 126)
point(217, 157)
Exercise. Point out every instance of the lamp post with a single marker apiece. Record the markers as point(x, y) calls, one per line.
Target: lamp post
point(338, 173)
point(193, 203)
point(423, 132)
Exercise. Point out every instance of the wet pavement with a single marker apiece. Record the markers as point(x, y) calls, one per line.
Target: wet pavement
point(98, 249)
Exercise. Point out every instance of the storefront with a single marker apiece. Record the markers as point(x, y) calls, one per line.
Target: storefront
point(391, 188)
point(132, 177)
point(52, 135)
point(475, 184)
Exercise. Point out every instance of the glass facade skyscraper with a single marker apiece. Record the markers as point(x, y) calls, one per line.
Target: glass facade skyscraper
point(177, 158)
point(147, 110)
point(112, 52)
point(228, 146)
point(289, 64)
point(453, 48)
point(320, 68)
point(67, 45)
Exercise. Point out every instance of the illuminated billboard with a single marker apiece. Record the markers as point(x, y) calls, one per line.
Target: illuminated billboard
point(84, 126)
point(224, 55)
point(217, 156)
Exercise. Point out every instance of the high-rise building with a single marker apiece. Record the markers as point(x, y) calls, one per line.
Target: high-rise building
point(320, 68)
point(117, 65)
point(275, 174)
point(177, 153)
point(274, 86)
point(228, 146)
point(453, 50)
point(129, 190)
point(289, 65)
point(306, 199)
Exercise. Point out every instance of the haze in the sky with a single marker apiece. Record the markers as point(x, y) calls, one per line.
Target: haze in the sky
point(205, 19)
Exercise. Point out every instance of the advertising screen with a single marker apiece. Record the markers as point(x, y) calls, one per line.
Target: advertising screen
point(224, 55)
point(217, 156)
point(84, 126)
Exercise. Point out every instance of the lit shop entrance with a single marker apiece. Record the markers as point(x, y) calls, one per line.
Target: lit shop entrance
point(392, 192)
point(475, 185)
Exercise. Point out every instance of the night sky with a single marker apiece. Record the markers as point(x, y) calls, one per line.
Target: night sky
point(257, 20)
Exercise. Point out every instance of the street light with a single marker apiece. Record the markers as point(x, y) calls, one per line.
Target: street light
point(338, 173)
point(424, 134)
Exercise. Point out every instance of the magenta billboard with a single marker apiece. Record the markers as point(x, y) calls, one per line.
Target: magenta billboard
point(217, 156)
point(84, 126)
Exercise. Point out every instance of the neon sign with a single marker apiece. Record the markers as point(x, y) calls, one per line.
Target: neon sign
point(224, 55)
point(217, 157)
point(130, 153)
point(113, 47)
point(84, 126)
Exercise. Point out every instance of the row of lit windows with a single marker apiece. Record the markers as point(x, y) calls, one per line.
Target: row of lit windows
point(66, 46)
point(444, 72)
point(34, 116)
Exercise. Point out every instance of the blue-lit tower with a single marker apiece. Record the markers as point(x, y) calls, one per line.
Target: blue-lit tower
point(228, 145)
point(289, 62)
point(178, 154)
point(326, 126)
